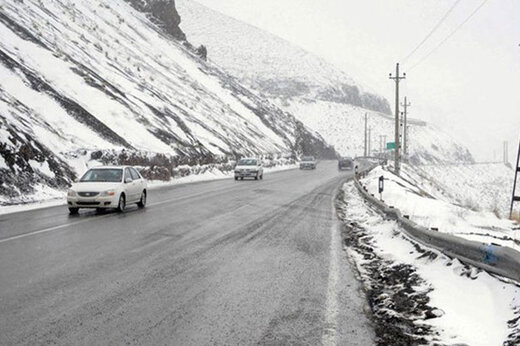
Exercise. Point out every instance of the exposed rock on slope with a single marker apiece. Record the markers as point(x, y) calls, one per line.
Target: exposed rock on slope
point(320, 95)
point(163, 13)
point(82, 76)
point(270, 64)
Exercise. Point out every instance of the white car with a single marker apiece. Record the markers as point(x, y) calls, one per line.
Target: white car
point(308, 162)
point(249, 168)
point(108, 188)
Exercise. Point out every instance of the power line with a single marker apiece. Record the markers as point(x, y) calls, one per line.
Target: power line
point(439, 23)
point(449, 35)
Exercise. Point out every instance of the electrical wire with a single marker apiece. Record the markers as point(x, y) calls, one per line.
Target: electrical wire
point(449, 36)
point(439, 23)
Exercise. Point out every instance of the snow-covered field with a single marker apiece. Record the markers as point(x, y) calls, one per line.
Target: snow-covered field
point(418, 295)
point(437, 206)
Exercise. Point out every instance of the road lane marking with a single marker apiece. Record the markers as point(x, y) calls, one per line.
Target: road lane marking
point(56, 228)
point(329, 336)
point(177, 199)
point(50, 229)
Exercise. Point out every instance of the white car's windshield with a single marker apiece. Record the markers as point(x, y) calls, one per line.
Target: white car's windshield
point(103, 175)
point(307, 158)
point(247, 162)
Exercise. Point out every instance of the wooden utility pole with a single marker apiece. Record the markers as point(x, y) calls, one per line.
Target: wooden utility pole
point(397, 78)
point(405, 105)
point(515, 197)
point(369, 140)
point(506, 152)
point(366, 142)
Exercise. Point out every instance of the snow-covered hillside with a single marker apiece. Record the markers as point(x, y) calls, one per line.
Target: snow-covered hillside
point(470, 214)
point(343, 126)
point(481, 186)
point(269, 64)
point(81, 76)
point(325, 98)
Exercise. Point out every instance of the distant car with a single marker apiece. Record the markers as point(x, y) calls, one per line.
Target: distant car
point(249, 168)
point(345, 163)
point(308, 162)
point(108, 188)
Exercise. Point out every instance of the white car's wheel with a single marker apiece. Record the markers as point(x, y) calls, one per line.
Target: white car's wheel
point(122, 204)
point(142, 201)
point(73, 211)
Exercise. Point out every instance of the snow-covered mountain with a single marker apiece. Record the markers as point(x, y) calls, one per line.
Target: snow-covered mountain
point(325, 98)
point(80, 76)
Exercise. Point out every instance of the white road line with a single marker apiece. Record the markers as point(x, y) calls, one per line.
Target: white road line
point(329, 336)
point(55, 228)
point(50, 229)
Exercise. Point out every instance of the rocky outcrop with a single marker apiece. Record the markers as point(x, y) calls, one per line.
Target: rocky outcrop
point(163, 13)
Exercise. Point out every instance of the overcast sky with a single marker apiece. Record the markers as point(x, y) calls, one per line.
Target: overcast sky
point(470, 86)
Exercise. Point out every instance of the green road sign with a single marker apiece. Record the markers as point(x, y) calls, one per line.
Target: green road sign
point(390, 145)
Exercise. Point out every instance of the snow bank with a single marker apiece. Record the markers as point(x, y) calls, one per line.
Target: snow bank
point(428, 205)
point(468, 306)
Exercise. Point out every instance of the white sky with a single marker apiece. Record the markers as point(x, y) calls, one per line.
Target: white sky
point(470, 86)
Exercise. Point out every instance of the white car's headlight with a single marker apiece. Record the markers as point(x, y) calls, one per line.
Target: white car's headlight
point(71, 193)
point(107, 193)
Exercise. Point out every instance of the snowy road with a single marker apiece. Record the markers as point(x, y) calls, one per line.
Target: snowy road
point(223, 262)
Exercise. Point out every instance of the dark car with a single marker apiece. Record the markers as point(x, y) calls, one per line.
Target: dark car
point(345, 163)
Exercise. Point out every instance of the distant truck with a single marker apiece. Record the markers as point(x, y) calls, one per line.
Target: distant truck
point(308, 162)
point(346, 163)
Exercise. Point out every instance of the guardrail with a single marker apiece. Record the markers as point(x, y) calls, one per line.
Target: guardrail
point(496, 259)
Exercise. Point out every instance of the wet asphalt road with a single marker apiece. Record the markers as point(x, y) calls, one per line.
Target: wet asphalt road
point(214, 263)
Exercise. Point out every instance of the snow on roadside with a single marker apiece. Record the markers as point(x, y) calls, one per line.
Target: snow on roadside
point(419, 295)
point(213, 174)
point(430, 207)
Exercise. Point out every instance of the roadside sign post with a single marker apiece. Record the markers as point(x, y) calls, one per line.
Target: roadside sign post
point(381, 187)
point(390, 145)
point(515, 198)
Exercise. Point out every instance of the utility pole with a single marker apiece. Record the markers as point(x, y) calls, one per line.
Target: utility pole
point(405, 105)
point(380, 144)
point(506, 152)
point(397, 78)
point(515, 197)
point(407, 140)
point(366, 143)
point(369, 140)
point(384, 145)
